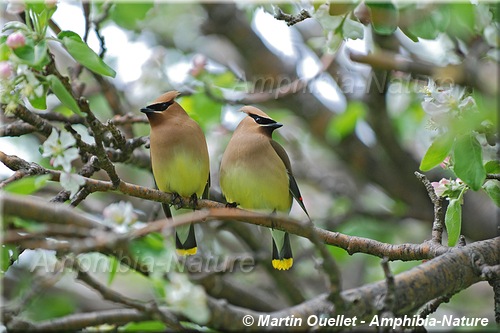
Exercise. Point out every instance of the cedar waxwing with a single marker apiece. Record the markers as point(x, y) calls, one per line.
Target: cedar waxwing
point(255, 173)
point(179, 157)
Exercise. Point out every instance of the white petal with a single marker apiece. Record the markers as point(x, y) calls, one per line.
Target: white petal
point(71, 182)
point(67, 140)
point(50, 143)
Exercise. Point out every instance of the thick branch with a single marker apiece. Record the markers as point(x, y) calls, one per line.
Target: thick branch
point(447, 274)
point(463, 74)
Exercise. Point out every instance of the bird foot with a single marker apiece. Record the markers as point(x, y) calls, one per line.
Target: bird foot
point(177, 201)
point(193, 201)
point(231, 205)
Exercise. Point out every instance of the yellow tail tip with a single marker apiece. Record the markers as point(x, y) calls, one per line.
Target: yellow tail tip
point(282, 264)
point(186, 252)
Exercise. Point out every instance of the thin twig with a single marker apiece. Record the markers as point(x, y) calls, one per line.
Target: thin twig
point(433, 305)
point(390, 297)
point(17, 128)
point(293, 87)
point(97, 26)
point(437, 201)
point(291, 19)
point(111, 295)
point(43, 126)
point(39, 285)
point(98, 130)
point(493, 176)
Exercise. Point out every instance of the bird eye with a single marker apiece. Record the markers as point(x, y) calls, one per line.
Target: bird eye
point(160, 106)
point(262, 120)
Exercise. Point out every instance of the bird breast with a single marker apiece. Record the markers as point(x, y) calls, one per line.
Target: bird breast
point(254, 176)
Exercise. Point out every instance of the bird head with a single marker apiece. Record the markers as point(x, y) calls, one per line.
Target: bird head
point(163, 106)
point(259, 119)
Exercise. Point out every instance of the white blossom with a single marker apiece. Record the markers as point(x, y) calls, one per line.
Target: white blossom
point(58, 148)
point(442, 103)
point(120, 215)
point(186, 298)
point(71, 182)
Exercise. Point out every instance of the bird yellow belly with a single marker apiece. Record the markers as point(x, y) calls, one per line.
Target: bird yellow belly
point(182, 173)
point(252, 191)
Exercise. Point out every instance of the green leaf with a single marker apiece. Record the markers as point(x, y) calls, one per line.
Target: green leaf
point(82, 53)
point(9, 253)
point(41, 58)
point(492, 166)
point(32, 55)
point(114, 264)
point(468, 161)
point(429, 26)
point(145, 326)
point(493, 190)
point(37, 6)
point(15, 26)
point(224, 80)
point(128, 15)
point(463, 20)
point(148, 247)
point(158, 287)
point(4, 52)
point(28, 225)
point(64, 95)
point(344, 124)
point(27, 185)
point(441, 18)
point(202, 108)
point(25, 54)
point(339, 8)
point(453, 221)
point(49, 306)
point(437, 152)
point(385, 17)
point(39, 102)
point(409, 34)
point(352, 29)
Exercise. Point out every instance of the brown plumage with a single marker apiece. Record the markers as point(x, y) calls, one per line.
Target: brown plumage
point(179, 158)
point(256, 174)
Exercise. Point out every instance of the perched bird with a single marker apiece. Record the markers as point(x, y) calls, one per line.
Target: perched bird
point(179, 156)
point(255, 173)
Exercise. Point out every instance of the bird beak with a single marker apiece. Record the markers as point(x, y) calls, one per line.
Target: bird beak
point(273, 125)
point(147, 110)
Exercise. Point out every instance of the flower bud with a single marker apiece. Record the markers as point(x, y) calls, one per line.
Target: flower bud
point(5, 70)
point(199, 63)
point(16, 40)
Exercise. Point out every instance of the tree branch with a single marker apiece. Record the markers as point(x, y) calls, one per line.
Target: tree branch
point(168, 318)
point(447, 274)
point(438, 223)
point(291, 19)
point(40, 211)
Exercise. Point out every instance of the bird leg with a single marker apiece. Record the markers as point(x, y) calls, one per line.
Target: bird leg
point(193, 200)
point(272, 221)
point(177, 200)
point(231, 205)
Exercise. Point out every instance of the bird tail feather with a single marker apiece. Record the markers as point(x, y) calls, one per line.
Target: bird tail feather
point(283, 258)
point(187, 247)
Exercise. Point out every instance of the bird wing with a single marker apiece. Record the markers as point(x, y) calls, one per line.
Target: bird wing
point(206, 191)
point(294, 188)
